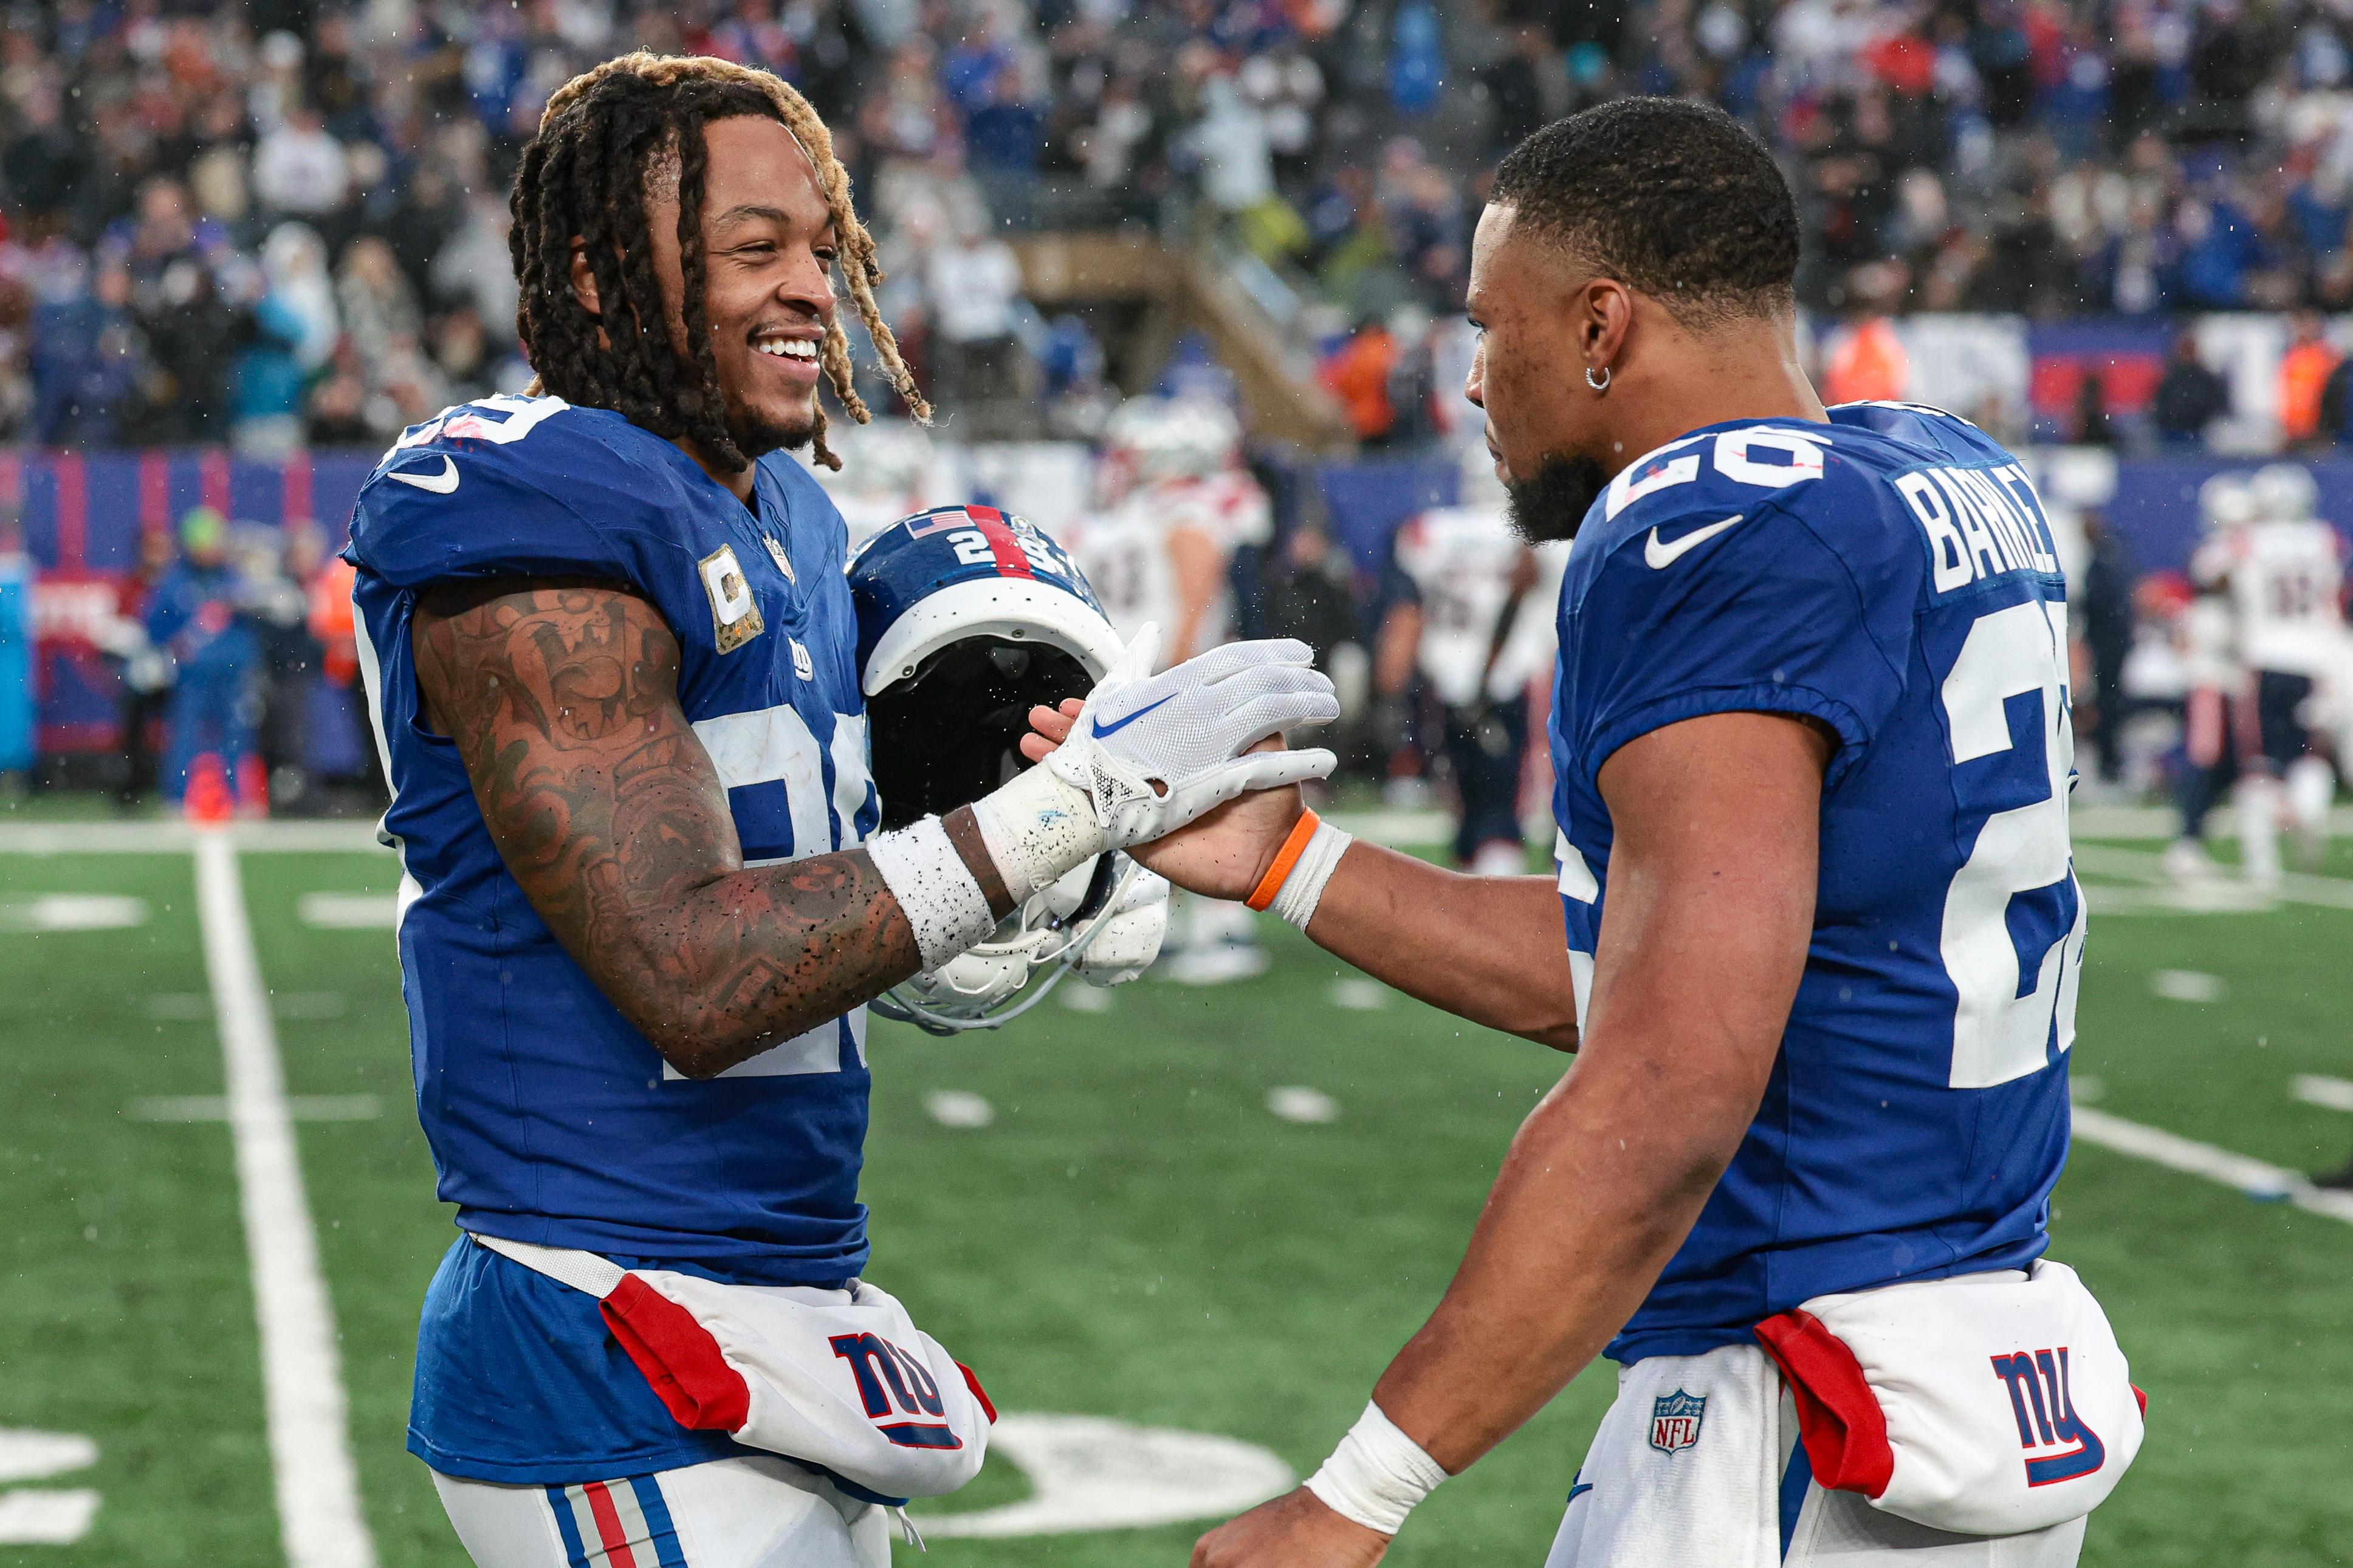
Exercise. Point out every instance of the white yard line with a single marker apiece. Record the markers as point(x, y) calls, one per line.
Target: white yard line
point(2296, 888)
point(303, 1384)
point(2251, 1176)
point(2335, 1093)
point(163, 836)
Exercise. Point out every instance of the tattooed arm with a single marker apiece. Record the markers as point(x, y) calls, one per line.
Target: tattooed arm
point(562, 697)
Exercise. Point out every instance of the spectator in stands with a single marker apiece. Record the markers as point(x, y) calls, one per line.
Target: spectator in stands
point(1004, 136)
point(373, 300)
point(294, 273)
point(2189, 396)
point(1527, 89)
point(299, 170)
point(2304, 374)
point(1865, 361)
point(337, 415)
point(974, 283)
point(474, 264)
point(462, 355)
point(42, 165)
point(269, 396)
point(1357, 372)
point(195, 332)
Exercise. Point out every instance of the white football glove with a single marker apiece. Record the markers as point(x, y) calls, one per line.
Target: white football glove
point(1154, 752)
point(1185, 731)
point(1130, 937)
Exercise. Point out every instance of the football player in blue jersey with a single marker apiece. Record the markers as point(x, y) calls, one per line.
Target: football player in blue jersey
point(612, 659)
point(1812, 736)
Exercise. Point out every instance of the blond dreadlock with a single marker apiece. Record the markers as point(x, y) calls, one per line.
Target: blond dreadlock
point(585, 174)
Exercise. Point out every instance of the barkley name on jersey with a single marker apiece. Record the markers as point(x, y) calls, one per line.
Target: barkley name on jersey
point(550, 1119)
point(1889, 576)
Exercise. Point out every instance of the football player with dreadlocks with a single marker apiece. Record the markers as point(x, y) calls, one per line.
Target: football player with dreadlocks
point(612, 659)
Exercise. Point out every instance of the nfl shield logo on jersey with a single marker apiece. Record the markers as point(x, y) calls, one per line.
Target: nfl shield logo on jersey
point(1675, 1420)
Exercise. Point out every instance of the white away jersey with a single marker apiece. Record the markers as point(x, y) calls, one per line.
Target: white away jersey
point(2285, 582)
point(1124, 548)
point(1462, 561)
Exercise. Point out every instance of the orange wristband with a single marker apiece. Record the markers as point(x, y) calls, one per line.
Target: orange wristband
point(1284, 859)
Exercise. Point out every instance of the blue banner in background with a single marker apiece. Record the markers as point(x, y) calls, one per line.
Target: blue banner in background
point(83, 515)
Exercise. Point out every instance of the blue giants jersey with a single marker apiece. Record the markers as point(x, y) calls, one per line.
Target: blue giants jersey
point(1891, 575)
point(550, 1119)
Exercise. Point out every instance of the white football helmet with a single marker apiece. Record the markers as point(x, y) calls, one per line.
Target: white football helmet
point(2284, 492)
point(1162, 439)
point(966, 619)
point(2226, 502)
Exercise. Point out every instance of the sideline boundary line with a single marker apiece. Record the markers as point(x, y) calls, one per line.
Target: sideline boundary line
point(2253, 1177)
point(319, 1518)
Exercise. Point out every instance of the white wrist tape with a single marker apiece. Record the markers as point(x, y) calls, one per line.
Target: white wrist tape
point(938, 891)
point(1377, 1475)
point(1037, 827)
point(1303, 889)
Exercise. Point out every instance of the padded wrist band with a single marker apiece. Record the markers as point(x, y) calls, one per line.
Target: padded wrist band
point(1377, 1475)
point(1303, 888)
point(940, 895)
point(1037, 827)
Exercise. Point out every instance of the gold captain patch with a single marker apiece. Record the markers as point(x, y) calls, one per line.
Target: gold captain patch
point(734, 613)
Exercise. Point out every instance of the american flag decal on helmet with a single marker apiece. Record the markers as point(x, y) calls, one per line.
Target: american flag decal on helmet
point(615, 1525)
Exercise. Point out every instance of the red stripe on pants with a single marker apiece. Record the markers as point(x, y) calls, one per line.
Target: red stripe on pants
point(614, 1540)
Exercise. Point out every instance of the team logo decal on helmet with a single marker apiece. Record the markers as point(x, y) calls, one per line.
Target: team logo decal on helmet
point(967, 617)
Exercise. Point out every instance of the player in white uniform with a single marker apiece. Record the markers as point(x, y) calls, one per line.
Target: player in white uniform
point(1479, 630)
point(2285, 573)
point(2204, 635)
point(1174, 505)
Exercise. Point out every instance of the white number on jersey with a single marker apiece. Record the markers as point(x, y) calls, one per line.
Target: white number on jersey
point(2000, 1027)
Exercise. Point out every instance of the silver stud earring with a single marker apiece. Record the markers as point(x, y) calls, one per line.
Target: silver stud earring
point(1601, 386)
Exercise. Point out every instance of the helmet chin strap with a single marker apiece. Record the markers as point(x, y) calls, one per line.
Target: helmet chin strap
point(1105, 891)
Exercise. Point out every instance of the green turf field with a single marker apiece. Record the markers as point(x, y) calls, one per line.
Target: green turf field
point(1134, 1235)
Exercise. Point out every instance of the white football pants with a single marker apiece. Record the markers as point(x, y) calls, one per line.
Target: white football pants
point(727, 1513)
point(1723, 1492)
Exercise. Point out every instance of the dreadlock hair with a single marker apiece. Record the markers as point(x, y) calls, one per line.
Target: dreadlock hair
point(603, 134)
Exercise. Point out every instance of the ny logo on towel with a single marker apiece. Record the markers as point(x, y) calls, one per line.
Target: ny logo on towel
point(2053, 1423)
point(917, 1392)
point(1675, 1420)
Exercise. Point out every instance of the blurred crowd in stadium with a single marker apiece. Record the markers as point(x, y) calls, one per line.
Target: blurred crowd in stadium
point(283, 221)
point(277, 228)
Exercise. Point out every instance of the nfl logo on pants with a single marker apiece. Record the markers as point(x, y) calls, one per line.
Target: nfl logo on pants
point(1675, 1420)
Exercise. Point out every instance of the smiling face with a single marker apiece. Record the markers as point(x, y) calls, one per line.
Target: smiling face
point(768, 248)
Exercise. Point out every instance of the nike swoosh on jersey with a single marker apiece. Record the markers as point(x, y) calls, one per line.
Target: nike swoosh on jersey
point(440, 484)
point(1102, 729)
point(1659, 557)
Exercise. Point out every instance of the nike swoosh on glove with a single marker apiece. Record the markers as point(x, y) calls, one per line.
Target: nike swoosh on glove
point(1154, 752)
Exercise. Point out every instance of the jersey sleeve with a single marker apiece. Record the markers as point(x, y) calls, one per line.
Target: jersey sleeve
point(500, 521)
point(1761, 617)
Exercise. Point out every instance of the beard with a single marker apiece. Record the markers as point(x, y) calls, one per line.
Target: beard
point(756, 435)
point(1550, 504)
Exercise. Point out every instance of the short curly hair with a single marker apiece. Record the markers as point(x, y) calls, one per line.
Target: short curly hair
point(1671, 197)
point(606, 136)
